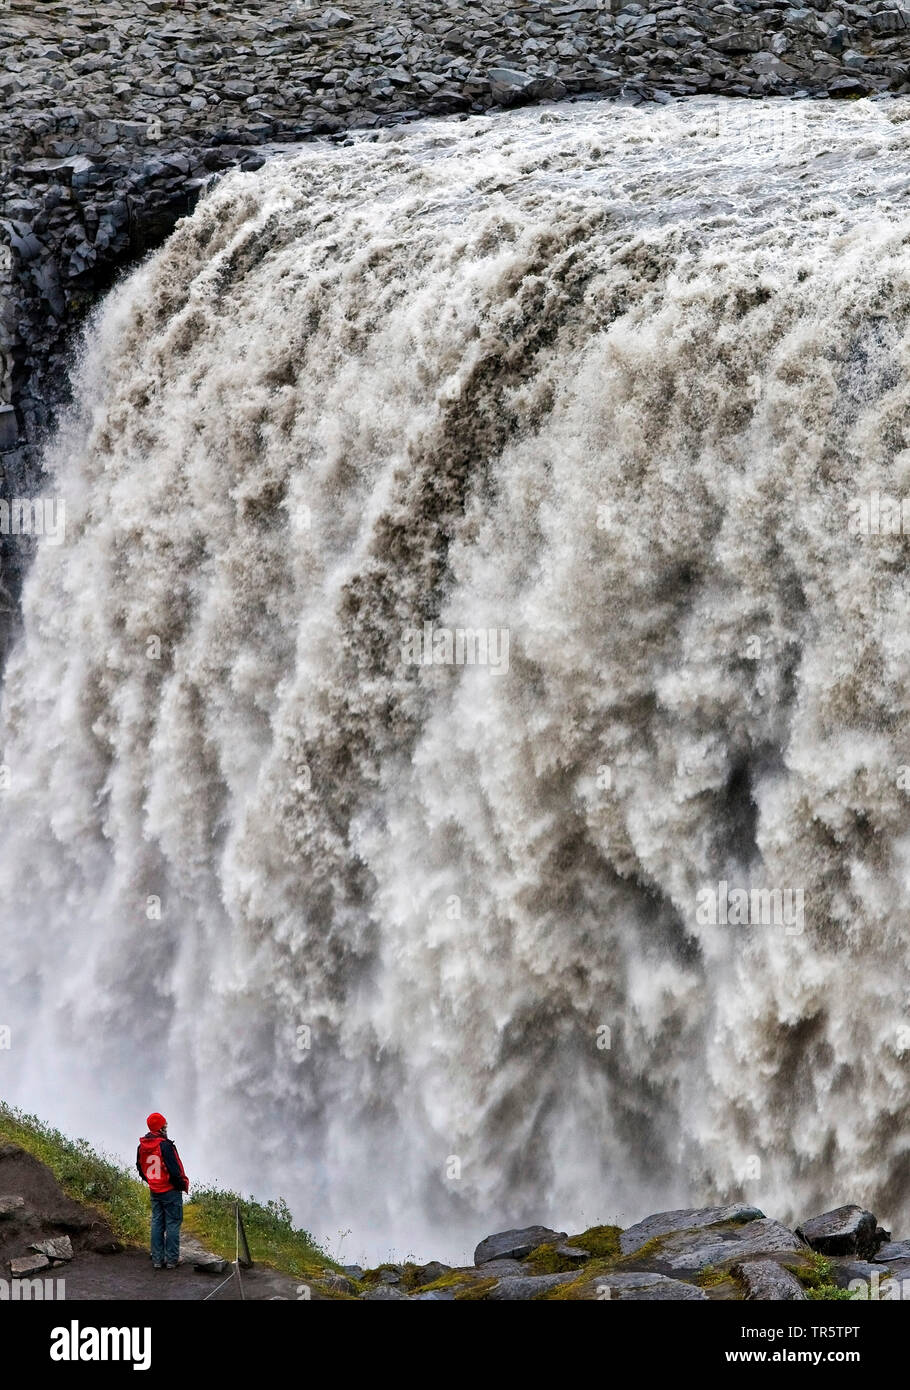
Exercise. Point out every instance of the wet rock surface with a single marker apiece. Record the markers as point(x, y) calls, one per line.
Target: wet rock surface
point(684, 1219)
point(845, 1231)
point(728, 1253)
point(766, 1280)
point(514, 1245)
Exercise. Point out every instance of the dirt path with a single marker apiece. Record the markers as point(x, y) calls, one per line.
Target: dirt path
point(129, 1275)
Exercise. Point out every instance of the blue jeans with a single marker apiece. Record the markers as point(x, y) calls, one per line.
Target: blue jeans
point(167, 1214)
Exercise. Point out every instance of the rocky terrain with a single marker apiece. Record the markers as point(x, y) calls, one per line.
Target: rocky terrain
point(718, 1253)
point(721, 1253)
point(114, 114)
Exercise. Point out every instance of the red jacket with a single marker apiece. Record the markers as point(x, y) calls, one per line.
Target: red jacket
point(159, 1164)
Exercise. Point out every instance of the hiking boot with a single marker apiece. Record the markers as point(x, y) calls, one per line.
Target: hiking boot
point(157, 1266)
point(171, 1266)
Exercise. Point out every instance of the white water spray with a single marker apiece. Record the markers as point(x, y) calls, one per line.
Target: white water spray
point(428, 959)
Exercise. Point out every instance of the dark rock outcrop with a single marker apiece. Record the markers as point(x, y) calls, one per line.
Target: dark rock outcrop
point(514, 1245)
point(845, 1231)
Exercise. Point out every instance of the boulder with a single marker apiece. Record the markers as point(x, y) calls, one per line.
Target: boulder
point(546, 89)
point(336, 1283)
point(28, 1264)
point(336, 19)
point(202, 1260)
point(848, 87)
point(383, 1293)
point(58, 1248)
point(514, 1245)
point(689, 1251)
point(632, 1287)
point(767, 1281)
point(845, 1231)
point(10, 1207)
point(891, 21)
point(508, 86)
point(893, 1250)
point(429, 1273)
point(683, 1219)
point(523, 1290)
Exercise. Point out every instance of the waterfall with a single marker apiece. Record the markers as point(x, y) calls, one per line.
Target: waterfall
point(483, 588)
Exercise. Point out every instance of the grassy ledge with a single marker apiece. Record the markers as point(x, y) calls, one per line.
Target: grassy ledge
point(97, 1180)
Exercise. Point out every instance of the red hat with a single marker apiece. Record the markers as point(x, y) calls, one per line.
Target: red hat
point(156, 1122)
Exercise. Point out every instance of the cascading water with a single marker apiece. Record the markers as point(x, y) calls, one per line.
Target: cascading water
point(604, 384)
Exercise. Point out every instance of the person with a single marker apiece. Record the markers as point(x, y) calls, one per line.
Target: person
point(159, 1165)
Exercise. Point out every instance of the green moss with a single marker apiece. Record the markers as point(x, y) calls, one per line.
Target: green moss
point(710, 1277)
point(601, 1241)
point(544, 1260)
point(817, 1278)
point(476, 1291)
point(601, 1266)
point(410, 1275)
point(649, 1251)
point(583, 1286)
point(373, 1276)
point(566, 1293)
point(449, 1281)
